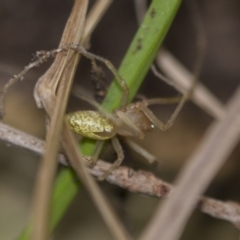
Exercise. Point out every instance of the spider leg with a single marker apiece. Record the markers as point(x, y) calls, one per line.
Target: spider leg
point(140, 150)
point(109, 65)
point(96, 153)
point(127, 122)
point(169, 100)
point(130, 126)
point(201, 43)
point(120, 155)
point(158, 123)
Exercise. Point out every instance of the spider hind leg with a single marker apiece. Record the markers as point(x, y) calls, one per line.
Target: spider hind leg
point(120, 156)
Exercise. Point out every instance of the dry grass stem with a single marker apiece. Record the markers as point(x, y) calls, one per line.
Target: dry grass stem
point(70, 147)
point(216, 146)
point(115, 226)
point(93, 18)
point(140, 9)
point(55, 108)
point(59, 78)
point(46, 88)
point(182, 80)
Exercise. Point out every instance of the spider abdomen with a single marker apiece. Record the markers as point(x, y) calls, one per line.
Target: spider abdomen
point(91, 124)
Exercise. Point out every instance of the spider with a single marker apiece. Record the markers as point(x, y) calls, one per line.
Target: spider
point(133, 120)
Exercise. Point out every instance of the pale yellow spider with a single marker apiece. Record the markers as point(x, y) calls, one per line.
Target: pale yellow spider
point(132, 120)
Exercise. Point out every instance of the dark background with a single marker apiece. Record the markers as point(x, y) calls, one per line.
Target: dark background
point(28, 26)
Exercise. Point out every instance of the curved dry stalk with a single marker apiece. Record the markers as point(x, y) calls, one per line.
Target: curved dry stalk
point(55, 107)
point(58, 79)
point(93, 18)
point(140, 9)
point(142, 182)
point(76, 159)
point(219, 141)
point(182, 80)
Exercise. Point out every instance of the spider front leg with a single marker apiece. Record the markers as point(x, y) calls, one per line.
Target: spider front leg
point(97, 152)
point(98, 148)
point(158, 123)
point(109, 65)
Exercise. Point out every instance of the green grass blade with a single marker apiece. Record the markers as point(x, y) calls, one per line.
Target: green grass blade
point(143, 49)
point(133, 69)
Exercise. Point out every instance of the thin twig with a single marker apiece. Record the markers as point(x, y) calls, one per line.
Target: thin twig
point(229, 211)
point(26, 141)
point(142, 182)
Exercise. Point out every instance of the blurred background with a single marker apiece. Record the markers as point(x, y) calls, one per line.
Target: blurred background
point(29, 26)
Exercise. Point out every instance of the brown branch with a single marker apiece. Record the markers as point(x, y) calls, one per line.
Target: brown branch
point(229, 211)
point(26, 141)
point(134, 181)
point(142, 182)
